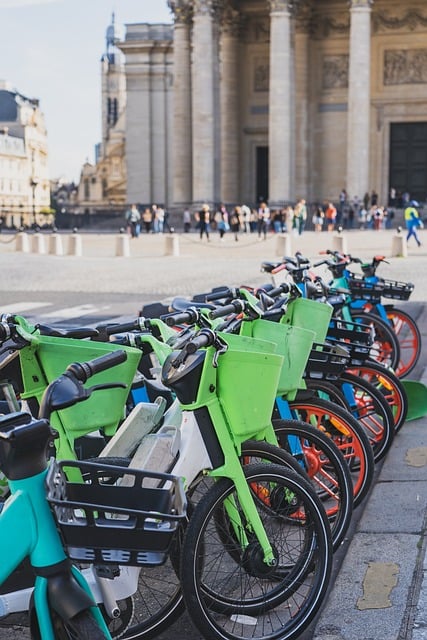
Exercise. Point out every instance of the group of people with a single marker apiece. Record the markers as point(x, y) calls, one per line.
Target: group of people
point(243, 219)
point(363, 213)
point(154, 219)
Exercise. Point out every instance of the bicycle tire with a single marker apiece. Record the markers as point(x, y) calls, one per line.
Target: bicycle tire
point(83, 626)
point(327, 470)
point(385, 349)
point(409, 337)
point(158, 601)
point(247, 599)
point(387, 382)
point(348, 436)
point(371, 410)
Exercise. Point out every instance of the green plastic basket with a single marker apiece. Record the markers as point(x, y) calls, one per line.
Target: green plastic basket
point(247, 378)
point(293, 343)
point(309, 314)
point(49, 357)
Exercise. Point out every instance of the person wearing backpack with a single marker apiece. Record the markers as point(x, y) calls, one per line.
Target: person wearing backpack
point(413, 221)
point(133, 219)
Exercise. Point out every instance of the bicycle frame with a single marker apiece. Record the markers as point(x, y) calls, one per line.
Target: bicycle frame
point(221, 435)
point(27, 513)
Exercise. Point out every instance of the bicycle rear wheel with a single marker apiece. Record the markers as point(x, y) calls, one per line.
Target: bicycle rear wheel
point(313, 455)
point(347, 434)
point(389, 385)
point(231, 593)
point(326, 468)
point(409, 337)
point(371, 410)
point(385, 349)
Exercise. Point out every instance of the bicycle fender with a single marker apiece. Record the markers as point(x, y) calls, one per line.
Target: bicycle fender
point(66, 596)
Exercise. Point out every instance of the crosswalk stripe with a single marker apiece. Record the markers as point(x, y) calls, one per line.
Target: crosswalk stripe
point(19, 307)
point(74, 312)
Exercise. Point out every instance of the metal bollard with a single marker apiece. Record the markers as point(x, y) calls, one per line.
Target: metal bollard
point(122, 244)
point(55, 245)
point(283, 245)
point(38, 243)
point(339, 241)
point(399, 247)
point(171, 245)
point(22, 242)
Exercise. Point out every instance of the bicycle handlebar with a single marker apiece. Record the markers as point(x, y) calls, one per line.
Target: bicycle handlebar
point(84, 370)
point(227, 292)
point(190, 316)
point(237, 306)
point(110, 329)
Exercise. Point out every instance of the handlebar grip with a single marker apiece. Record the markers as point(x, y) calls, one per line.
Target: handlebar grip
point(111, 329)
point(180, 318)
point(277, 291)
point(5, 332)
point(205, 338)
point(233, 307)
point(218, 295)
point(84, 370)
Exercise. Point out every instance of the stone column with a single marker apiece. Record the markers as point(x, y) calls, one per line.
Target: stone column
point(302, 132)
point(181, 118)
point(280, 105)
point(229, 107)
point(203, 102)
point(359, 99)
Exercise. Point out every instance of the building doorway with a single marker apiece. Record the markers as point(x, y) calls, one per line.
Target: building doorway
point(408, 159)
point(262, 174)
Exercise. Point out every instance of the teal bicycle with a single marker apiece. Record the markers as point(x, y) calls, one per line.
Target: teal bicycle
point(91, 521)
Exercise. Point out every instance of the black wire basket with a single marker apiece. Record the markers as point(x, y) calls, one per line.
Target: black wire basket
point(356, 337)
point(326, 361)
point(397, 290)
point(362, 289)
point(115, 514)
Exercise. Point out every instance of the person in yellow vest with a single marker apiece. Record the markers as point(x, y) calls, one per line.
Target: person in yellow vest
point(413, 221)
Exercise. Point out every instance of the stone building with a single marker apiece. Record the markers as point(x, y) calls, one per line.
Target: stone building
point(242, 100)
point(24, 174)
point(102, 185)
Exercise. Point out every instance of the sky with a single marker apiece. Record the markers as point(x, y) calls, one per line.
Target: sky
point(51, 50)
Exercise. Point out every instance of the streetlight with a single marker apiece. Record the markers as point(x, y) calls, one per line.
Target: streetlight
point(33, 183)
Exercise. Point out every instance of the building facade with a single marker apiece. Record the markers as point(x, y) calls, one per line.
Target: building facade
point(249, 100)
point(24, 174)
point(102, 184)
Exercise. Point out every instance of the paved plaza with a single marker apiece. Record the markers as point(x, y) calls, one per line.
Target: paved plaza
point(379, 591)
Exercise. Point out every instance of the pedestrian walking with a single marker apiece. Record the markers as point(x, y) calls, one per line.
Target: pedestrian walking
point(133, 219)
point(330, 216)
point(204, 220)
point(413, 221)
point(263, 220)
point(186, 219)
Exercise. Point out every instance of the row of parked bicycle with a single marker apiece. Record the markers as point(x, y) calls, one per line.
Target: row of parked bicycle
point(214, 462)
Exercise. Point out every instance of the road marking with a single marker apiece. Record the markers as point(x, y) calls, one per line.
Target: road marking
point(74, 312)
point(18, 307)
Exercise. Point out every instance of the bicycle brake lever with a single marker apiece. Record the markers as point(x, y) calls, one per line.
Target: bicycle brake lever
point(220, 347)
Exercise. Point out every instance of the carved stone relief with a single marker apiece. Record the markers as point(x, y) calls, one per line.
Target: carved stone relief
point(383, 21)
point(405, 66)
point(261, 75)
point(335, 72)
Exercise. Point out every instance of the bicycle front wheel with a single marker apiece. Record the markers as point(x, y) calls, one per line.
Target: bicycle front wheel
point(158, 601)
point(230, 592)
